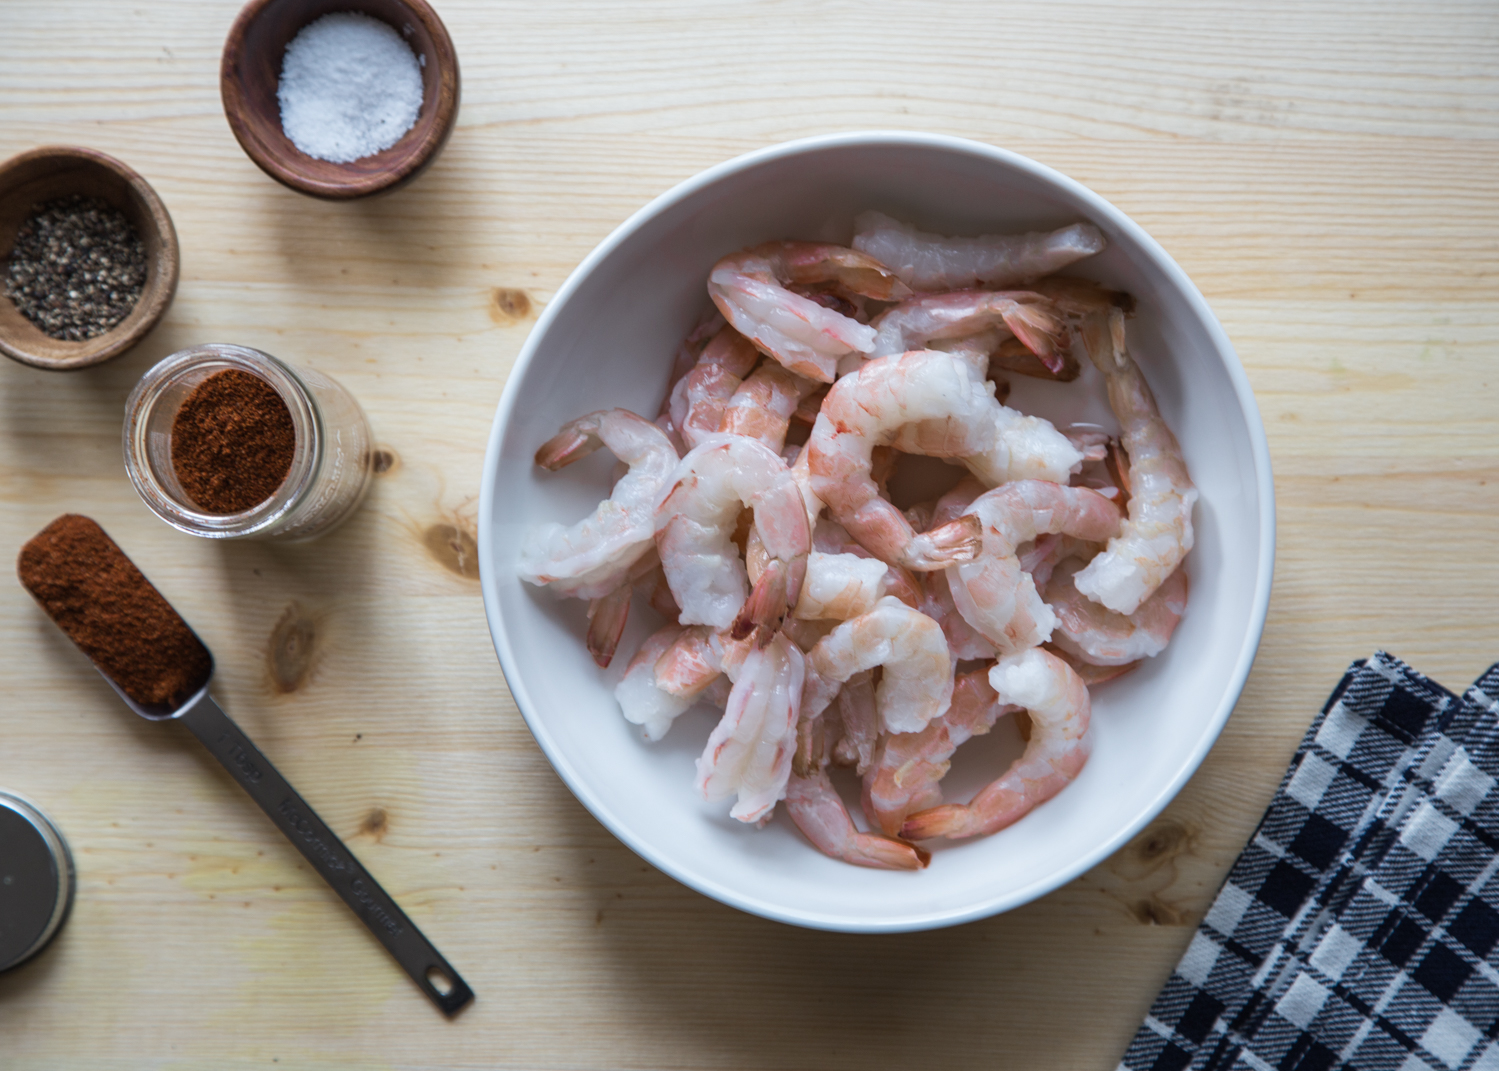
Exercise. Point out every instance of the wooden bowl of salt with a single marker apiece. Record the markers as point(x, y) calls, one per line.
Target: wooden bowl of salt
point(340, 98)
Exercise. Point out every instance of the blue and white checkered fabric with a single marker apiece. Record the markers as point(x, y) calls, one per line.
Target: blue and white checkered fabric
point(1358, 927)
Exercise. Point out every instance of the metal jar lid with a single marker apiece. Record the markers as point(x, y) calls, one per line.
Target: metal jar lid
point(36, 880)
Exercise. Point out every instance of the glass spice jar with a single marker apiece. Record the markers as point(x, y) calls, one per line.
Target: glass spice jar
point(330, 464)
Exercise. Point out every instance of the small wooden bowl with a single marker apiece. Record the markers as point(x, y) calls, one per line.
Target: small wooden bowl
point(60, 171)
point(251, 70)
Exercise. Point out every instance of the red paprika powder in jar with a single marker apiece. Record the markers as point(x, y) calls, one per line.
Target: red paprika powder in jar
point(228, 442)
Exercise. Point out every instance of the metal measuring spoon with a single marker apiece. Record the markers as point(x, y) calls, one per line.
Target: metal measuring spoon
point(228, 743)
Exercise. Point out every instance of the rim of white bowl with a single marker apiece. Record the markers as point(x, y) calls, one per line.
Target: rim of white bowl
point(1264, 485)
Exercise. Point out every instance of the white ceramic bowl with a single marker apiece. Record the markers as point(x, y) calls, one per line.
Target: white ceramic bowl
point(607, 339)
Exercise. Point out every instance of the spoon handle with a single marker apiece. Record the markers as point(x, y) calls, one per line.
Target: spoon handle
point(328, 855)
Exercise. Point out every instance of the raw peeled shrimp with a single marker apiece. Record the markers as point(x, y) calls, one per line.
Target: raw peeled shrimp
point(801, 472)
point(908, 766)
point(642, 700)
point(695, 525)
point(690, 349)
point(699, 657)
point(917, 682)
point(963, 640)
point(1020, 447)
point(1099, 635)
point(690, 663)
point(593, 557)
point(1157, 534)
point(698, 399)
point(935, 262)
point(1048, 551)
point(841, 583)
point(763, 405)
point(963, 313)
point(818, 811)
point(993, 351)
point(688, 352)
point(749, 751)
point(750, 289)
point(959, 418)
point(859, 713)
point(1059, 708)
point(830, 537)
point(993, 593)
point(841, 586)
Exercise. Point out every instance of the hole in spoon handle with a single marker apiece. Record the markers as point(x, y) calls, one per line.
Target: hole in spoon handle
point(445, 988)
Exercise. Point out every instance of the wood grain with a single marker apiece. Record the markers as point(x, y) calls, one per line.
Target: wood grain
point(1325, 172)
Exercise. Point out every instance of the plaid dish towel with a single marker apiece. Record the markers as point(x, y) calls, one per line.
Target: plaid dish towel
point(1358, 927)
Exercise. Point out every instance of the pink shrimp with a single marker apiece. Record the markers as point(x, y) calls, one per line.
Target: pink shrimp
point(641, 699)
point(918, 320)
point(936, 262)
point(1099, 635)
point(916, 685)
point(698, 399)
point(1059, 744)
point(964, 641)
point(840, 584)
point(690, 663)
point(688, 352)
point(859, 713)
point(593, 557)
point(708, 324)
point(870, 408)
point(763, 405)
point(818, 811)
point(1157, 534)
point(750, 289)
point(908, 766)
point(749, 752)
point(993, 593)
point(695, 524)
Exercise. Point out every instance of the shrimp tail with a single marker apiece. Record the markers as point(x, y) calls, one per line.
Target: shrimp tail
point(1014, 356)
point(1041, 332)
point(949, 544)
point(948, 820)
point(577, 439)
point(606, 623)
point(778, 588)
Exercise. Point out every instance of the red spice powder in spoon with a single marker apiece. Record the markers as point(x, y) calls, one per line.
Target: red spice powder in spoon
point(110, 610)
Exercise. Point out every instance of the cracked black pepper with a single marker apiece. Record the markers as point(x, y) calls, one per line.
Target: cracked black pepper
point(77, 268)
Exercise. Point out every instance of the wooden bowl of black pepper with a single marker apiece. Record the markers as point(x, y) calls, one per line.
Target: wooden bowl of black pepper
point(250, 75)
point(88, 258)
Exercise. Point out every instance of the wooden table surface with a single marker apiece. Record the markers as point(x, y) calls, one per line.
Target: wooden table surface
point(1327, 173)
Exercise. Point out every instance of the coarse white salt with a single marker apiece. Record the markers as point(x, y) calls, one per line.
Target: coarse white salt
point(350, 87)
